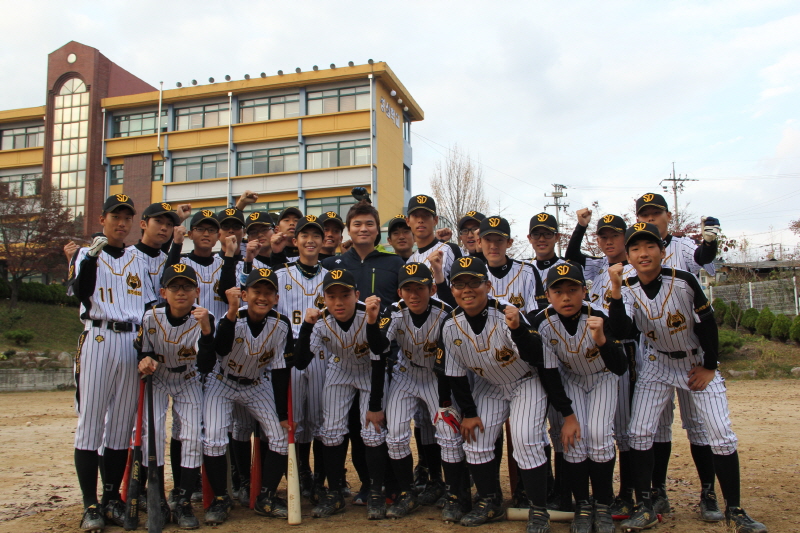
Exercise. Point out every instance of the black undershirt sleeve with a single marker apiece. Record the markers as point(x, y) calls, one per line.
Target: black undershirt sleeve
point(223, 340)
point(554, 388)
point(205, 352)
point(445, 393)
point(573, 252)
point(174, 256)
point(378, 343)
point(620, 324)
point(227, 277)
point(280, 388)
point(377, 381)
point(444, 293)
point(705, 253)
point(302, 347)
point(463, 396)
point(706, 329)
point(612, 353)
point(529, 344)
point(84, 283)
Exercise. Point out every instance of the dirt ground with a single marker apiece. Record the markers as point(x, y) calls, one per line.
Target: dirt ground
point(39, 493)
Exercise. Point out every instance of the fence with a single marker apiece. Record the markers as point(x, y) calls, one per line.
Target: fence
point(779, 295)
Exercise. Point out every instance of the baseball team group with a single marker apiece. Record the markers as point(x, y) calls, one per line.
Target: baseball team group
point(569, 365)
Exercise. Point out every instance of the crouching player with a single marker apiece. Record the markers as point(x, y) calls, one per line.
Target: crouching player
point(249, 343)
point(175, 340)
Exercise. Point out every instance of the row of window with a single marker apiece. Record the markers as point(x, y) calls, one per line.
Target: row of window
point(22, 138)
point(21, 184)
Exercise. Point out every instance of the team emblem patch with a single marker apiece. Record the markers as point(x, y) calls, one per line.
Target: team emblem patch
point(494, 222)
point(411, 269)
point(179, 268)
point(464, 262)
point(517, 300)
point(151, 331)
point(133, 281)
point(541, 217)
point(264, 272)
point(311, 218)
point(239, 340)
point(337, 359)
point(166, 206)
point(400, 216)
point(361, 349)
point(608, 218)
point(331, 214)
point(326, 339)
point(122, 198)
point(430, 348)
point(265, 358)
point(676, 320)
point(337, 274)
point(639, 226)
point(553, 341)
point(422, 199)
point(187, 352)
point(99, 338)
point(648, 197)
point(470, 213)
point(207, 213)
point(319, 302)
point(562, 270)
point(230, 212)
point(288, 287)
point(458, 342)
point(505, 356)
point(402, 369)
point(592, 354)
point(255, 216)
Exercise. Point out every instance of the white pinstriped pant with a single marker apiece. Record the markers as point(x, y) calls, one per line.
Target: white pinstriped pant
point(307, 392)
point(339, 393)
point(594, 402)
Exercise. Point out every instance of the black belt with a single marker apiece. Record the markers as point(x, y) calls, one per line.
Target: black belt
point(116, 327)
point(679, 354)
point(240, 380)
point(177, 369)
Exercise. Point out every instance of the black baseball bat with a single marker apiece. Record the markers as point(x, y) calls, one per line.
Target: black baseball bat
point(131, 521)
point(154, 489)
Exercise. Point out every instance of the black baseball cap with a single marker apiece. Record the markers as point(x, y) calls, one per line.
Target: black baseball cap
point(261, 274)
point(470, 215)
point(158, 209)
point(543, 220)
point(178, 270)
point(115, 201)
point(258, 217)
point(329, 216)
point(338, 276)
point(421, 202)
point(204, 215)
point(397, 220)
point(230, 213)
point(651, 199)
point(495, 224)
point(414, 273)
point(468, 265)
point(309, 221)
point(612, 221)
point(565, 271)
point(643, 230)
point(290, 211)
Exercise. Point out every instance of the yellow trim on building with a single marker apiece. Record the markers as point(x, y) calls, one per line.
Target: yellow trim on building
point(22, 157)
point(23, 114)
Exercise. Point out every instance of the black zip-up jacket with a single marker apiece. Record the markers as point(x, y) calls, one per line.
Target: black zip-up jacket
point(376, 274)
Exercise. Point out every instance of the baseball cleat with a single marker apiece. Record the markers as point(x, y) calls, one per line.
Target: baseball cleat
point(166, 513)
point(376, 505)
point(642, 518)
point(405, 505)
point(421, 478)
point(538, 520)
point(332, 502)
point(115, 512)
point(92, 519)
point(269, 504)
point(582, 521)
point(98, 243)
point(218, 512)
point(454, 508)
point(709, 508)
point(362, 496)
point(660, 501)
point(432, 492)
point(306, 484)
point(244, 497)
point(622, 508)
point(184, 515)
point(487, 509)
point(739, 522)
point(603, 523)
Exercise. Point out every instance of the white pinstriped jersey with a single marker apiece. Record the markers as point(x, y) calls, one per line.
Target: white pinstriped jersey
point(491, 355)
point(173, 345)
point(208, 281)
point(518, 286)
point(154, 266)
point(593, 267)
point(543, 271)
point(299, 292)
point(600, 293)
point(348, 350)
point(418, 345)
point(680, 254)
point(578, 353)
point(119, 292)
point(448, 256)
point(251, 356)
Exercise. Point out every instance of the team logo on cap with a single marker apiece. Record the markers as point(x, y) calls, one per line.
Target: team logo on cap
point(400, 216)
point(254, 216)
point(648, 197)
point(122, 198)
point(639, 226)
point(494, 222)
point(178, 268)
point(411, 269)
point(422, 199)
point(470, 213)
point(207, 213)
point(311, 218)
point(337, 274)
point(541, 217)
point(608, 218)
point(562, 270)
point(331, 214)
point(465, 262)
point(264, 272)
point(230, 212)
point(166, 206)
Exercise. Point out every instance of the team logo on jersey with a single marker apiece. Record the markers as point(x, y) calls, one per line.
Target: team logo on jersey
point(361, 349)
point(288, 287)
point(676, 322)
point(411, 269)
point(337, 359)
point(401, 332)
point(608, 218)
point(239, 340)
point(636, 305)
point(517, 300)
point(478, 370)
point(553, 341)
point(639, 226)
point(178, 268)
point(458, 342)
point(592, 354)
point(541, 217)
point(230, 212)
point(319, 302)
point(207, 213)
point(402, 369)
point(648, 197)
point(505, 355)
point(337, 274)
point(562, 269)
point(470, 213)
point(494, 222)
point(383, 322)
point(134, 283)
point(326, 339)
point(430, 348)
point(122, 198)
point(151, 331)
point(99, 338)
point(422, 199)
point(464, 262)
point(186, 353)
point(311, 218)
point(166, 206)
point(265, 358)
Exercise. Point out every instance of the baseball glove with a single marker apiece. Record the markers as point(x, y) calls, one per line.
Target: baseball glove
point(98, 243)
point(450, 416)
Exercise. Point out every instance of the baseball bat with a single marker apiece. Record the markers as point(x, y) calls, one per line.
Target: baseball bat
point(131, 520)
point(518, 513)
point(292, 473)
point(126, 477)
point(154, 488)
point(255, 467)
point(208, 494)
point(512, 463)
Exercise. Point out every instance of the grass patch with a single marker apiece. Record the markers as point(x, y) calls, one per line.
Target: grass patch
point(770, 359)
point(56, 328)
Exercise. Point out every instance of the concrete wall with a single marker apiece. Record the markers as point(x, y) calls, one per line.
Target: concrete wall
point(29, 379)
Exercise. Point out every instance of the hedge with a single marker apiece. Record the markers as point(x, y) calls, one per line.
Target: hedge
point(749, 320)
point(41, 293)
point(794, 331)
point(764, 322)
point(780, 327)
point(720, 310)
point(734, 313)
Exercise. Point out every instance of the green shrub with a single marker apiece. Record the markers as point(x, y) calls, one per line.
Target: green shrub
point(20, 336)
point(720, 310)
point(780, 328)
point(9, 353)
point(733, 316)
point(794, 331)
point(38, 292)
point(749, 320)
point(764, 322)
point(729, 341)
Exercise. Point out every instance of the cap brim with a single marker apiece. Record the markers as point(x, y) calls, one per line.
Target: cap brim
point(609, 226)
point(290, 211)
point(336, 220)
point(260, 222)
point(464, 220)
point(545, 226)
point(559, 280)
point(212, 220)
point(392, 225)
point(644, 234)
point(172, 214)
point(250, 284)
point(231, 217)
point(178, 276)
point(494, 231)
point(315, 225)
point(342, 283)
point(467, 273)
point(428, 209)
point(422, 281)
point(121, 204)
point(651, 204)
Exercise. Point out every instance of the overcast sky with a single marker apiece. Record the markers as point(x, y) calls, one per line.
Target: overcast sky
point(600, 96)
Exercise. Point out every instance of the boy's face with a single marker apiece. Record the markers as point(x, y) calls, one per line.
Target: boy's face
point(416, 296)
point(422, 223)
point(260, 298)
point(611, 242)
point(309, 242)
point(157, 230)
point(180, 294)
point(402, 240)
point(468, 236)
point(654, 215)
point(363, 230)
point(471, 293)
point(204, 236)
point(566, 297)
point(261, 233)
point(543, 241)
point(288, 223)
point(494, 248)
point(117, 224)
point(333, 237)
point(231, 227)
point(341, 301)
point(646, 255)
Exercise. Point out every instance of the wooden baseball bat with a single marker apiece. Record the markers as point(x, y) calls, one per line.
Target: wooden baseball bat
point(292, 472)
point(518, 513)
point(131, 497)
point(255, 467)
point(154, 489)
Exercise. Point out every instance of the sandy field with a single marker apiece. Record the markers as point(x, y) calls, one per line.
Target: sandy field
point(39, 490)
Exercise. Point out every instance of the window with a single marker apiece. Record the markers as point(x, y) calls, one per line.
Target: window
point(158, 171)
point(341, 154)
point(70, 143)
point(335, 100)
point(139, 124)
point(117, 174)
point(23, 138)
point(338, 204)
point(204, 116)
point(21, 184)
point(406, 178)
point(272, 207)
point(268, 161)
point(270, 108)
point(205, 167)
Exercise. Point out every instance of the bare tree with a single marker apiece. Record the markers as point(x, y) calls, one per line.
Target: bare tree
point(457, 186)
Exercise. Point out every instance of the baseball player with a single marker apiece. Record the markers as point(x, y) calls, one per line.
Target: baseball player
point(158, 221)
point(340, 333)
point(422, 219)
point(577, 340)
point(249, 342)
point(680, 338)
point(259, 229)
point(174, 340)
point(490, 339)
point(333, 225)
point(399, 236)
point(109, 281)
point(282, 249)
point(468, 226)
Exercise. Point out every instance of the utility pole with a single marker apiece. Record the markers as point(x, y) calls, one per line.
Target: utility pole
point(677, 186)
point(557, 194)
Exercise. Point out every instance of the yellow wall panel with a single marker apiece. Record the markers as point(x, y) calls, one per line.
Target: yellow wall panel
point(389, 160)
point(182, 140)
point(27, 157)
point(156, 191)
point(115, 189)
point(132, 145)
point(260, 131)
point(326, 124)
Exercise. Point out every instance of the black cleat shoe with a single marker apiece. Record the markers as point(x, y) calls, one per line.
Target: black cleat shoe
point(488, 509)
point(538, 520)
point(642, 518)
point(453, 510)
point(622, 508)
point(268, 504)
point(421, 478)
point(603, 523)
point(709, 508)
point(92, 519)
point(184, 515)
point(582, 521)
point(244, 497)
point(331, 503)
point(218, 512)
point(432, 492)
point(520, 499)
point(306, 484)
point(114, 512)
point(362, 496)
point(166, 513)
point(739, 522)
point(405, 505)
point(660, 501)
point(376, 505)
